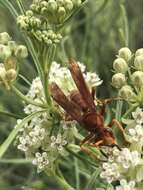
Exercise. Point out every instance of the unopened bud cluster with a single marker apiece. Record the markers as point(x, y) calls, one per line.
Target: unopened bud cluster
point(43, 16)
point(56, 11)
point(128, 77)
point(34, 27)
point(10, 54)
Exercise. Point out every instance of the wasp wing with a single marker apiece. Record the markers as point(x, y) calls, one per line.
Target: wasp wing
point(81, 84)
point(70, 107)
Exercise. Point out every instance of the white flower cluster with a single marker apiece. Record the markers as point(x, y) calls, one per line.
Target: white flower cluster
point(138, 116)
point(62, 76)
point(41, 161)
point(35, 138)
point(124, 185)
point(119, 164)
point(134, 130)
point(58, 142)
point(126, 165)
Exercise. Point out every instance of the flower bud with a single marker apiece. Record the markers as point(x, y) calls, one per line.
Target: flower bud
point(21, 52)
point(77, 2)
point(2, 72)
point(4, 38)
point(137, 78)
point(138, 63)
point(118, 80)
point(60, 2)
point(139, 52)
point(68, 5)
point(4, 52)
point(120, 65)
point(12, 45)
point(10, 63)
point(61, 12)
point(126, 92)
point(125, 53)
point(52, 5)
point(29, 13)
point(11, 75)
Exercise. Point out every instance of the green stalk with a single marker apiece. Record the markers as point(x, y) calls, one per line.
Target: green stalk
point(12, 135)
point(24, 79)
point(15, 161)
point(126, 27)
point(63, 183)
point(47, 65)
point(26, 99)
point(81, 158)
point(10, 115)
point(10, 7)
point(77, 174)
point(132, 108)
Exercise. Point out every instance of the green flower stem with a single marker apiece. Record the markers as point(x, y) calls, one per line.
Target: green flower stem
point(63, 183)
point(15, 161)
point(81, 157)
point(47, 65)
point(30, 46)
point(10, 115)
point(77, 177)
point(132, 108)
point(126, 26)
point(119, 106)
point(12, 135)
point(24, 79)
point(21, 7)
point(26, 99)
point(10, 7)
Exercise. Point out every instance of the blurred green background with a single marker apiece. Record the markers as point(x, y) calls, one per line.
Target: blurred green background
point(93, 37)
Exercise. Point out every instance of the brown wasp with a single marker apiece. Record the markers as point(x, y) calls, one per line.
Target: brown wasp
point(80, 106)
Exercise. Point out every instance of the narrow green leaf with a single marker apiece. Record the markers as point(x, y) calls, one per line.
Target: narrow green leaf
point(92, 180)
point(12, 135)
point(15, 161)
point(110, 187)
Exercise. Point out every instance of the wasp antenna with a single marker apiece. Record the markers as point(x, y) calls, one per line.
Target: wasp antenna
point(81, 84)
point(69, 106)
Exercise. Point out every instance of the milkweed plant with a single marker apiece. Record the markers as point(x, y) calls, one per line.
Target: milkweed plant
point(44, 136)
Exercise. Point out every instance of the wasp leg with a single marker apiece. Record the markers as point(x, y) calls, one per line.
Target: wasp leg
point(98, 143)
point(87, 139)
point(105, 102)
point(118, 124)
point(90, 153)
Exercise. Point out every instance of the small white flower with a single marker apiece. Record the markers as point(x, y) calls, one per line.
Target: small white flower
point(138, 115)
point(41, 160)
point(124, 185)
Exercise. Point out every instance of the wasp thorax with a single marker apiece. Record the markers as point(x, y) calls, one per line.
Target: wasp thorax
point(118, 80)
